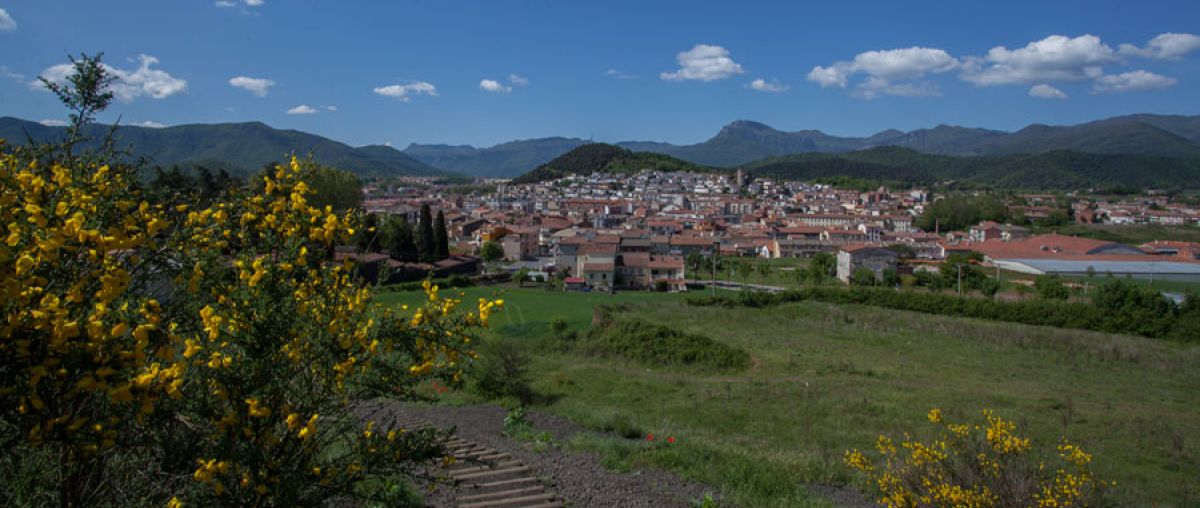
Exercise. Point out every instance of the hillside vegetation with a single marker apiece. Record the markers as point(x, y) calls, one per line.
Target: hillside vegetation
point(239, 148)
point(1062, 170)
point(604, 158)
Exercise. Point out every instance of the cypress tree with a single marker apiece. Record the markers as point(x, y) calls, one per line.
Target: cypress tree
point(425, 247)
point(441, 237)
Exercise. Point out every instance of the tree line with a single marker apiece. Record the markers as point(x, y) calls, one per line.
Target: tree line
point(427, 241)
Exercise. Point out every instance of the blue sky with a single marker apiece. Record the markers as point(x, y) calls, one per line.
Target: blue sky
point(414, 71)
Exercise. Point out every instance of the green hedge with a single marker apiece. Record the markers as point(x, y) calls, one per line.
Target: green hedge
point(1148, 319)
point(657, 345)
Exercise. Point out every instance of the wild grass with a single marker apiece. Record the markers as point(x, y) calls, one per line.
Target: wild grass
point(825, 378)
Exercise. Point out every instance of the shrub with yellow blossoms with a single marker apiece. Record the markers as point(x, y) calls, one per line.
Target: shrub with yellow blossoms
point(977, 464)
point(155, 354)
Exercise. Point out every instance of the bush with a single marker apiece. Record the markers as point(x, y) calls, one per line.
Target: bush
point(502, 371)
point(661, 286)
point(657, 345)
point(1050, 287)
point(981, 463)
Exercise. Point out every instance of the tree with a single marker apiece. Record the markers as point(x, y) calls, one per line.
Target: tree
point(441, 237)
point(744, 269)
point(426, 249)
point(368, 237)
point(1051, 287)
point(695, 263)
point(398, 239)
point(862, 277)
point(821, 267)
point(521, 275)
point(490, 252)
point(85, 94)
point(764, 270)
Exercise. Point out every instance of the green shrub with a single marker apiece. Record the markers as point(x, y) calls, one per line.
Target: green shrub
point(658, 345)
point(501, 371)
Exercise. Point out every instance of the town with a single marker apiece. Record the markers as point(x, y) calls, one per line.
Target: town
point(608, 232)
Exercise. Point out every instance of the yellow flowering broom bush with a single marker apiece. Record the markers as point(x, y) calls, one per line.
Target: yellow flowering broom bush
point(201, 357)
point(977, 464)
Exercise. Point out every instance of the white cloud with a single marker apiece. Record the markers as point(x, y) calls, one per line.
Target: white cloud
point(302, 109)
point(491, 85)
point(618, 74)
point(254, 3)
point(404, 93)
point(884, 67)
point(225, 3)
point(763, 85)
point(517, 80)
point(128, 85)
point(149, 124)
point(7, 23)
point(1045, 91)
point(1133, 81)
point(329, 108)
point(256, 86)
point(50, 122)
point(703, 63)
point(1167, 46)
point(1055, 58)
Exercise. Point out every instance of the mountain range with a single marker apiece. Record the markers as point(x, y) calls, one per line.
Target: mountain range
point(240, 148)
point(742, 142)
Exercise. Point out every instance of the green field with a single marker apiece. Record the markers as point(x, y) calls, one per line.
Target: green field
point(826, 378)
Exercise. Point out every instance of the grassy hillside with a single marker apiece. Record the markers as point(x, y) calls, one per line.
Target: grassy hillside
point(240, 148)
point(1052, 170)
point(825, 378)
point(604, 158)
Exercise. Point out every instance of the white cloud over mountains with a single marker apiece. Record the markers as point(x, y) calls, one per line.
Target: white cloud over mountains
point(1044, 91)
point(404, 93)
point(762, 85)
point(302, 109)
point(1055, 58)
point(256, 86)
point(703, 63)
point(129, 84)
point(1134, 81)
point(884, 68)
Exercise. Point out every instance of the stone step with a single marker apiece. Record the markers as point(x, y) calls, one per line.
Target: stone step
point(493, 473)
point(516, 501)
point(500, 484)
point(501, 494)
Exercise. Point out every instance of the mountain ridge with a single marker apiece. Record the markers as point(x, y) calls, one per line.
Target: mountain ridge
point(745, 141)
point(240, 148)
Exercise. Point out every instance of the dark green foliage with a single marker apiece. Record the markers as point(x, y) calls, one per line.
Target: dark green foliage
point(491, 251)
point(862, 277)
point(501, 371)
point(959, 212)
point(369, 236)
point(657, 345)
point(199, 186)
point(603, 158)
point(1124, 308)
point(426, 248)
point(1141, 309)
point(398, 239)
point(453, 281)
point(1050, 287)
point(333, 187)
point(441, 237)
point(902, 167)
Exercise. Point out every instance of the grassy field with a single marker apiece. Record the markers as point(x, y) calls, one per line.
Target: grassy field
point(826, 378)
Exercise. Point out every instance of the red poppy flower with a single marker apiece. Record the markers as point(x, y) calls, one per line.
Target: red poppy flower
point(671, 439)
point(649, 437)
